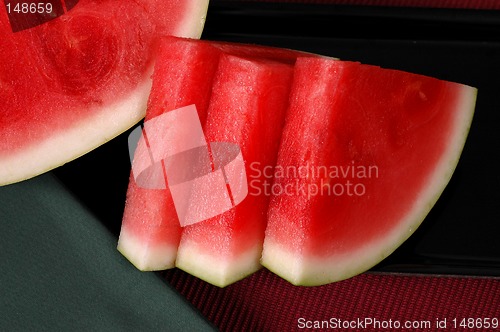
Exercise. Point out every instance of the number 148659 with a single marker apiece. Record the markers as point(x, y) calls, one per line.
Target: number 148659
point(475, 323)
point(29, 8)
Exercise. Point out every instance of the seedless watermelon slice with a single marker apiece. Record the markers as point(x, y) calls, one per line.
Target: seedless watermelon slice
point(365, 154)
point(72, 83)
point(248, 105)
point(150, 231)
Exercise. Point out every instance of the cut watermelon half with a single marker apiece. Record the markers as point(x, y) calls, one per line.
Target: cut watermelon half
point(365, 154)
point(72, 83)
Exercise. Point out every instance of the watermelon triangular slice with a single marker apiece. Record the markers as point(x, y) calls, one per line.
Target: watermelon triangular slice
point(69, 84)
point(365, 154)
point(248, 105)
point(150, 231)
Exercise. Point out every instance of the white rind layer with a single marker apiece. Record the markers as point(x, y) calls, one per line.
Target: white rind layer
point(193, 24)
point(144, 256)
point(107, 123)
point(308, 270)
point(219, 270)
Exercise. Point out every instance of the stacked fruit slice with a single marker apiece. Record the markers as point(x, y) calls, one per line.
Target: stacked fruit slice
point(151, 231)
point(343, 161)
point(372, 149)
point(248, 105)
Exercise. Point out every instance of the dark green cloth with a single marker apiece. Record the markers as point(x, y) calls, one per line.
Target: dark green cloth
point(60, 270)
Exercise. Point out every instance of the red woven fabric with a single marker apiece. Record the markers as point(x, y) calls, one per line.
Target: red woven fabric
point(265, 302)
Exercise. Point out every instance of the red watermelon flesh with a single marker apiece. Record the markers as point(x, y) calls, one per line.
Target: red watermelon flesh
point(364, 155)
point(76, 81)
point(150, 232)
point(248, 105)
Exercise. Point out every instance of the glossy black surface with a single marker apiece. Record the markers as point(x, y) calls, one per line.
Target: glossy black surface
point(460, 235)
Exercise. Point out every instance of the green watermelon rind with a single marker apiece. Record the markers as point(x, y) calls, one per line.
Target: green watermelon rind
point(308, 270)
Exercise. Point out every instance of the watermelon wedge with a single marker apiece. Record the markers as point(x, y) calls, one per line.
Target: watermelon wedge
point(364, 155)
point(150, 231)
point(248, 105)
point(75, 78)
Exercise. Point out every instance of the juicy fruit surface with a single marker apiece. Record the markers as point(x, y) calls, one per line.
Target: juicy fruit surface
point(376, 148)
point(248, 105)
point(65, 75)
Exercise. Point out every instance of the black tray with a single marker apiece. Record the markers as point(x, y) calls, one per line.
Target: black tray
point(459, 236)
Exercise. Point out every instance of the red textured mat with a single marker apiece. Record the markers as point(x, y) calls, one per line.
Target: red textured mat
point(265, 302)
